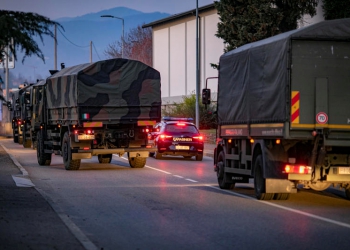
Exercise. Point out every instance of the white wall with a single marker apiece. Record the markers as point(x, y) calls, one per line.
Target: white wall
point(174, 54)
point(161, 58)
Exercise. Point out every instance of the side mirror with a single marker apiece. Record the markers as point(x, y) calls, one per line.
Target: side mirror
point(206, 96)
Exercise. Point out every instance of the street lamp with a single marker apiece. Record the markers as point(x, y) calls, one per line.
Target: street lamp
point(122, 27)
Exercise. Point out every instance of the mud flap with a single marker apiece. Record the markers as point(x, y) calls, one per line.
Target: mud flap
point(280, 186)
point(77, 156)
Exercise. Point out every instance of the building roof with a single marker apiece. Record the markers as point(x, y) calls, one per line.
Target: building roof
point(180, 16)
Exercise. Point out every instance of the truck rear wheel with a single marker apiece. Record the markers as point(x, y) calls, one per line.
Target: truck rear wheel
point(105, 158)
point(26, 141)
point(259, 181)
point(199, 157)
point(281, 196)
point(347, 193)
point(158, 155)
point(44, 159)
point(137, 162)
point(69, 164)
point(221, 175)
point(15, 138)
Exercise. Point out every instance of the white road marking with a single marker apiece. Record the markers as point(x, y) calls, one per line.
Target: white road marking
point(178, 176)
point(165, 172)
point(191, 180)
point(286, 208)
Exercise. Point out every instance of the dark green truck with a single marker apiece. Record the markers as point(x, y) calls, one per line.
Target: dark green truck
point(283, 109)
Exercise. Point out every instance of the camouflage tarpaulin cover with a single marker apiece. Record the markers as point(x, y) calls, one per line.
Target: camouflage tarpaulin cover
point(110, 89)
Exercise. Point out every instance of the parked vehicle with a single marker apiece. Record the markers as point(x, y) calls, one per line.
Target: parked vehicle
point(96, 109)
point(177, 136)
point(283, 112)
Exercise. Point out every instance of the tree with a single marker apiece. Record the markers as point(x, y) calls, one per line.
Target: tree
point(137, 46)
point(336, 9)
point(245, 21)
point(187, 109)
point(21, 27)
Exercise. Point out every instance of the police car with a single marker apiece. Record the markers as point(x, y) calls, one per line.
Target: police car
point(177, 136)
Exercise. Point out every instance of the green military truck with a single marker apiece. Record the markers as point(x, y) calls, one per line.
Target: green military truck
point(14, 109)
point(18, 106)
point(283, 109)
point(25, 115)
point(96, 109)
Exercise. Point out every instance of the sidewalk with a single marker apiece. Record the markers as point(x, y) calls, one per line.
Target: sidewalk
point(27, 220)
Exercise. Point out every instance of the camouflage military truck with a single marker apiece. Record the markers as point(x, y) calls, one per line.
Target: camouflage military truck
point(96, 109)
point(13, 106)
point(18, 106)
point(25, 112)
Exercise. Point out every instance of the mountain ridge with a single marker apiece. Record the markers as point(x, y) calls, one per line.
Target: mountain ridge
point(73, 44)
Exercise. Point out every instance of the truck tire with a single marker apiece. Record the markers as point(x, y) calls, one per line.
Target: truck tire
point(105, 158)
point(20, 137)
point(347, 193)
point(157, 155)
point(44, 159)
point(26, 141)
point(281, 196)
point(69, 164)
point(15, 138)
point(199, 157)
point(259, 181)
point(137, 162)
point(221, 175)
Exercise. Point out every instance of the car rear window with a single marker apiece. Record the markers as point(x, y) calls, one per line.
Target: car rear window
point(174, 128)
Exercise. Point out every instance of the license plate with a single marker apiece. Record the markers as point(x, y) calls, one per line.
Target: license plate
point(86, 137)
point(182, 147)
point(344, 171)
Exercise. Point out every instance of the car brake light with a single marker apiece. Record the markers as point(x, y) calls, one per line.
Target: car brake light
point(199, 138)
point(181, 124)
point(297, 169)
point(165, 137)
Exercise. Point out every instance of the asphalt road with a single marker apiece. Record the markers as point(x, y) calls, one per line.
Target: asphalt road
point(175, 203)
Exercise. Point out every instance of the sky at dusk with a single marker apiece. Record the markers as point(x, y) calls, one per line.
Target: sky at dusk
point(55, 9)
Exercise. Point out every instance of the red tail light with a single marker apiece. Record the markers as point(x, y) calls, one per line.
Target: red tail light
point(297, 169)
point(199, 138)
point(163, 137)
point(19, 122)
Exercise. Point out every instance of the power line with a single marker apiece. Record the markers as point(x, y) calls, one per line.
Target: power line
point(71, 41)
point(80, 45)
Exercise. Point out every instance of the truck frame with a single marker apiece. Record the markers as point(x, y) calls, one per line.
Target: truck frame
point(283, 112)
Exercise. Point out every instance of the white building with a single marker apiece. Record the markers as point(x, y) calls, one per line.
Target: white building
point(174, 50)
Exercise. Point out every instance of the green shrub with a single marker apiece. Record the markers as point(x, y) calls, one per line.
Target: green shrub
point(187, 108)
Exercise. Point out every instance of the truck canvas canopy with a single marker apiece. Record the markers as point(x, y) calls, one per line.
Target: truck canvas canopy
point(254, 79)
point(118, 88)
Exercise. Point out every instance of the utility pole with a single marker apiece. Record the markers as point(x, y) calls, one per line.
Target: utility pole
point(55, 47)
point(197, 67)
